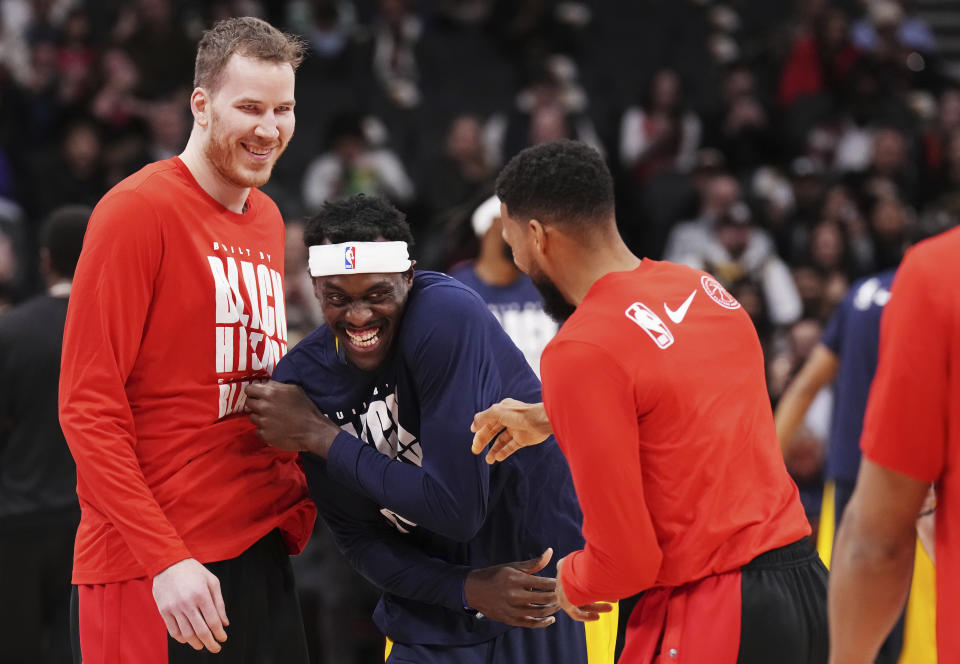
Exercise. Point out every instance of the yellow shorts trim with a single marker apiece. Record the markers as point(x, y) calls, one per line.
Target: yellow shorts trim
point(920, 628)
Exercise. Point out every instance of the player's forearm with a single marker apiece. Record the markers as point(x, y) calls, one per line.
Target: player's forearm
point(454, 508)
point(109, 473)
point(868, 588)
point(590, 579)
point(386, 560)
point(793, 405)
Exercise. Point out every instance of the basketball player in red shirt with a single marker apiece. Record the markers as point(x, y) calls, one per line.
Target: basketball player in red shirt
point(187, 517)
point(911, 439)
point(655, 390)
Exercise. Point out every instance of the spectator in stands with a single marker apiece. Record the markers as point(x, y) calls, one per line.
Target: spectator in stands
point(889, 19)
point(353, 165)
point(819, 61)
point(734, 248)
point(719, 191)
point(659, 133)
point(462, 174)
point(76, 174)
point(508, 292)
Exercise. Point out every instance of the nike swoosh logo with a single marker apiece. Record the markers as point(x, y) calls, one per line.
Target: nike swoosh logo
point(677, 316)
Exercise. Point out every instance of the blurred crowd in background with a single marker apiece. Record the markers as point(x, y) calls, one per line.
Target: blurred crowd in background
point(789, 149)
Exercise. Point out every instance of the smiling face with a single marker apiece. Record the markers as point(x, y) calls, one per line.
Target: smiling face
point(251, 119)
point(364, 311)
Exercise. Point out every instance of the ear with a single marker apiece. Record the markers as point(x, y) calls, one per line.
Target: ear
point(539, 234)
point(199, 106)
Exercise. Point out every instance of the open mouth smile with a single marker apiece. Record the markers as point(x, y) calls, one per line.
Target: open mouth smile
point(365, 337)
point(257, 152)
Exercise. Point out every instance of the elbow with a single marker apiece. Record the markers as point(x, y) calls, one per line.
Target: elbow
point(643, 576)
point(863, 548)
point(462, 528)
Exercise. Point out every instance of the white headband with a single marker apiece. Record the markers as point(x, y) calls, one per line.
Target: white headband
point(358, 258)
point(484, 215)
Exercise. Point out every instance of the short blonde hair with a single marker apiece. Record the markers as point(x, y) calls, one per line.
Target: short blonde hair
point(246, 36)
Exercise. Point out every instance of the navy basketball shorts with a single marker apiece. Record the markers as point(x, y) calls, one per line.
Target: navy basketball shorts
point(563, 642)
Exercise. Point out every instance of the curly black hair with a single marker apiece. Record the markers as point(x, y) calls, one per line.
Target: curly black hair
point(564, 182)
point(358, 218)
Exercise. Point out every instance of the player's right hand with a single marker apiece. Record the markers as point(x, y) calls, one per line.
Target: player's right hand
point(509, 425)
point(511, 594)
point(191, 605)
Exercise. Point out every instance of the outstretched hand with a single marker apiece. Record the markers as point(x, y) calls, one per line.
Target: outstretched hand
point(511, 594)
point(585, 613)
point(286, 418)
point(507, 426)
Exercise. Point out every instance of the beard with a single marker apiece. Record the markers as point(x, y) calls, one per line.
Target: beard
point(221, 153)
point(554, 304)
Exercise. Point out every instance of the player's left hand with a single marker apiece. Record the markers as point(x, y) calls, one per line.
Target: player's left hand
point(587, 612)
point(286, 418)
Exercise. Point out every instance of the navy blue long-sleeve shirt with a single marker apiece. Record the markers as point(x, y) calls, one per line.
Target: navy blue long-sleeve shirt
point(408, 503)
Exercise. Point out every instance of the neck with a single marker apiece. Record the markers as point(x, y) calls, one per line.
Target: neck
point(495, 270)
point(581, 265)
point(228, 194)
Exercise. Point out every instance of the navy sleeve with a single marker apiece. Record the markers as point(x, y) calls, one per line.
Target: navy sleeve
point(381, 554)
point(286, 371)
point(449, 343)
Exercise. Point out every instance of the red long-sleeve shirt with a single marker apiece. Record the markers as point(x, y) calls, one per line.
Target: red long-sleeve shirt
point(177, 302)
point(912, 424)
point(656, 392)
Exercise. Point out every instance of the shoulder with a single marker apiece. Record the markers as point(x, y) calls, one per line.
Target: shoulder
point(464, 273)
point(153, 182)
point(438, 296)
point(311, 351)
point(937, 252)
point(265, 206)
point(25, 325)
point(14, 318)
point(311, 347)
point(442, 310)
point(140, 196)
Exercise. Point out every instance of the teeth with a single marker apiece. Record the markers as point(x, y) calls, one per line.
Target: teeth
point(258, 153)
point(365, 338)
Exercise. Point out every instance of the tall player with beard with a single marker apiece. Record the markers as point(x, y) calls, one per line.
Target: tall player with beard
point(655, 390)
point(186, 516)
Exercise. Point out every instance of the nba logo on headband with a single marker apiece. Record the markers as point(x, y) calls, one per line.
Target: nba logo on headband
point(349, 258)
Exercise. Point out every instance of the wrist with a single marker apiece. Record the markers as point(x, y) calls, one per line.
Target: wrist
point(539, 416)
point(320, 439)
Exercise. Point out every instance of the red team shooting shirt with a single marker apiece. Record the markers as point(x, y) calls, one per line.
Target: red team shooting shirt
point(656, 391)
point(912, 424)
point(177, 303)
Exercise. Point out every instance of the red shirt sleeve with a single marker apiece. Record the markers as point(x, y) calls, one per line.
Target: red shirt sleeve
point(590, 402)
point(109, 304)
point(905, 426)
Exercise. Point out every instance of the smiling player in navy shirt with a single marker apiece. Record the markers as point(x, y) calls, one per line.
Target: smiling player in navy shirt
point(389, 388)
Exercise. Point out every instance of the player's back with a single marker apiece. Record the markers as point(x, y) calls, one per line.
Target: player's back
point(713, 477)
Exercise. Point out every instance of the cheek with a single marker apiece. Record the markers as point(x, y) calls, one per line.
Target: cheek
point(286, 126)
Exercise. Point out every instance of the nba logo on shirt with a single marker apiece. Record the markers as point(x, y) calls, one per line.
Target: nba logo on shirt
point(650, 323)
point(350, 258)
